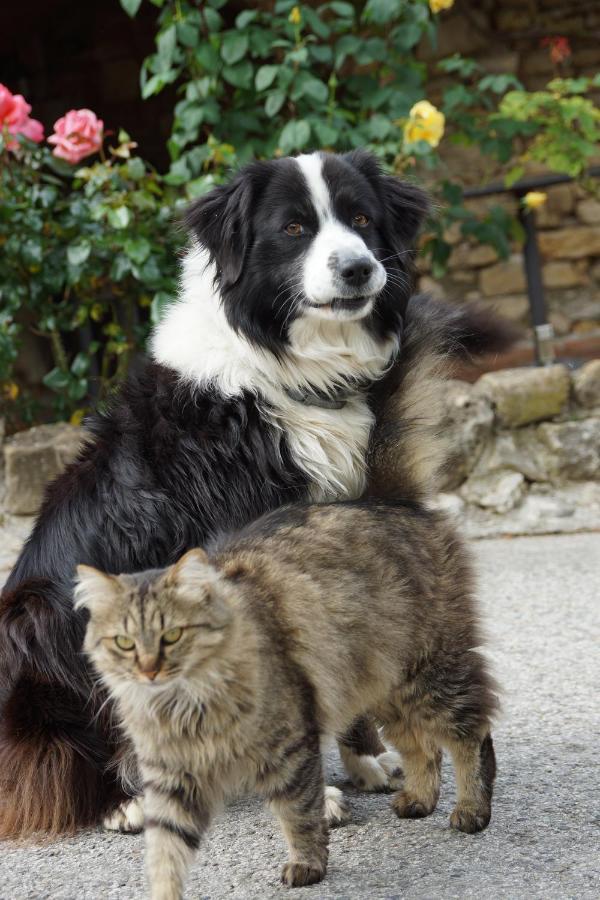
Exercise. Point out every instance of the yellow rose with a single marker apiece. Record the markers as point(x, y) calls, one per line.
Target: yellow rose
point(11, 390)
point(425, 123)
point(437, 6)
point(534, 199)
point(77, 416)
point(295, 16)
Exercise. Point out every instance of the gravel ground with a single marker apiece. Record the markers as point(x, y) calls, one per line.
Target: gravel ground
point(540, 601)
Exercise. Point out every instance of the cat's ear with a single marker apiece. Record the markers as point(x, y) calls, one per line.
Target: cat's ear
point(200, 583)
point(190, 569)
point(93, 587)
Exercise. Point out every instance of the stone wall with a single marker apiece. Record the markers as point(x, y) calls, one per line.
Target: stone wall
point(524, 453)
point(525, 450)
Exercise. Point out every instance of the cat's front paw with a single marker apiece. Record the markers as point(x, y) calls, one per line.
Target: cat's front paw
point(380, 774)
point(128, 817)
point(337, 811)
point(295, 874)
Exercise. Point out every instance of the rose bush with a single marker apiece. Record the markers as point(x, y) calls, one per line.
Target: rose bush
point(87, 258)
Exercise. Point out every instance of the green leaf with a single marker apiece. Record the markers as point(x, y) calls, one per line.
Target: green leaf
point(31, 252)
point(56, 380)
point(344, 10)
point(188, 35)
point(80, 365)
point(315, 89)
point(156, 83)
point(326, 133)
point(274, 103)
point(382, 11)
point(137, 249)
point(135, 168)
point(379, 127)
point(295, 135)
point(179, 172)
point(513, 175)
point(234, 47)
point(207, 56)
point(131, 6)
point(407, 36)
point(320, 28)
point(166, 42)
point(265, 77)
point(119, 217)
point(239, 76)
point(244, 18)
point(120, 267)
point(78, 251)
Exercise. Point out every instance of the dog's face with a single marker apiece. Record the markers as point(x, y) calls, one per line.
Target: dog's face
point(321, 236)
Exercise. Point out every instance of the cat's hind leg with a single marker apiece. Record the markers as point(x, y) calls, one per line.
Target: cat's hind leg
point(369, 764)
point(475, 769)
point(422, 761)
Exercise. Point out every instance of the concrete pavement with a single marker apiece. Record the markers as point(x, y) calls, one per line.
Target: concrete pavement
point(542, 610)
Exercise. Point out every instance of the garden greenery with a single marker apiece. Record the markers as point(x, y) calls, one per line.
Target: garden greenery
point(88, 254)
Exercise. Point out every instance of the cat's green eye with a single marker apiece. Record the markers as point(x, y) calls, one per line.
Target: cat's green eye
point(124, 643)
point(172, 635)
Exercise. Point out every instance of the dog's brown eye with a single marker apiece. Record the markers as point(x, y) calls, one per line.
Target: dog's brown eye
point(294, 228)
point(361, 220)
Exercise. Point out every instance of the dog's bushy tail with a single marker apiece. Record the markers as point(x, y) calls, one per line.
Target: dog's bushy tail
point(409, 448)
point(54, 747)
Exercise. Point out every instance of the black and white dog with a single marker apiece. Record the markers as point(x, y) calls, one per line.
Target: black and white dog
point(260, 390)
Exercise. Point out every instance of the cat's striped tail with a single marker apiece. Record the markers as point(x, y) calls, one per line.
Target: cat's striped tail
point(54, 748)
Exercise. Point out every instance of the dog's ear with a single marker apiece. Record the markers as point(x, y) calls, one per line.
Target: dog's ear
point(221, 222)
point(406, 205)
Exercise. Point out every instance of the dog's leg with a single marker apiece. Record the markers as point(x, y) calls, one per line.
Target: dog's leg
point(128, 817)
point(367, 761)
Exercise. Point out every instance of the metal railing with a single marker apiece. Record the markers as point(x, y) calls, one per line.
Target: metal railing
point(542, 329)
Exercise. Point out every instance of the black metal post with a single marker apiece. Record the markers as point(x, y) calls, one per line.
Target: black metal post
point(542, 329)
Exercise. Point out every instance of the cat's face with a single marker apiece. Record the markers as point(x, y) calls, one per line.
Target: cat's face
point(155, 626)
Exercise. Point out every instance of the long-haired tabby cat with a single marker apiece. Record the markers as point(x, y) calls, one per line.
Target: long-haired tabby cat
point(229, 668)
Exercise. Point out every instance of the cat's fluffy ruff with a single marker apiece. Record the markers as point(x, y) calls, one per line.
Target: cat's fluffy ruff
point(309, 619)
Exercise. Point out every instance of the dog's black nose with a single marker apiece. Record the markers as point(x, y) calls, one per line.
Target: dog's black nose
point(356, 270)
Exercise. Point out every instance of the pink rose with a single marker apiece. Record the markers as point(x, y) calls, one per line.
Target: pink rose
point(77, 135)
point(14, 118)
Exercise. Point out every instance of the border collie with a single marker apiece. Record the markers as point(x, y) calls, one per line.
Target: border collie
point(260, 390)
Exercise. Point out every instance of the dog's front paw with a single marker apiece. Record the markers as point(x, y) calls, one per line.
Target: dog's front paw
point(380, 774)
point(128, 817)
point(295, 874)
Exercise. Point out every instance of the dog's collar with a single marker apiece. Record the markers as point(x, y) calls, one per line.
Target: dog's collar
point(319, 398)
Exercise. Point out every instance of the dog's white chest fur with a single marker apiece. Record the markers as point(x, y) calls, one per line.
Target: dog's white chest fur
point(329, 445)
